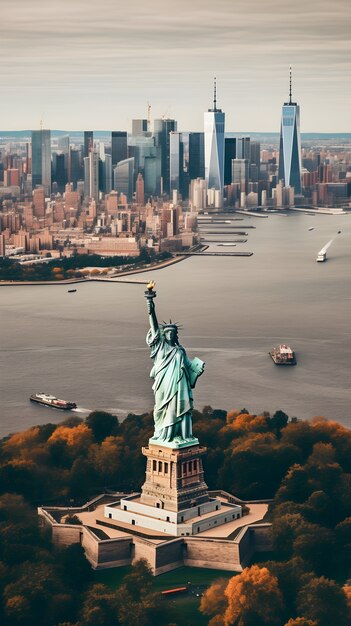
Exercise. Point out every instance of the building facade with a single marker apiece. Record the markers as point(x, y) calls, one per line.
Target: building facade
point(214, 123)
point(290, 145)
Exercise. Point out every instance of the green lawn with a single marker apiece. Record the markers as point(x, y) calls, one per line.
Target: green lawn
point(176, 578)
point(182, 610)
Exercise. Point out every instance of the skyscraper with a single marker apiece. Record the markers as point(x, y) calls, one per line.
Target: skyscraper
point(176, 161)
point(91, 176)
point(229, 155)
point(214, 120)
point(243, 148)
point(41, 159)
point(196, 157)
point(140, 127)
point(88, 142)
point(290, 145)
point(119, 148)
point(162, 129)
point(124, 178)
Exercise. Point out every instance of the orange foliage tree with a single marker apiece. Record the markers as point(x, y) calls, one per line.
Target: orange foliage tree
point(251, 597)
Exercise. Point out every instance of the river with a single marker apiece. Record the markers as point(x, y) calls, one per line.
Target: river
point(89, 346)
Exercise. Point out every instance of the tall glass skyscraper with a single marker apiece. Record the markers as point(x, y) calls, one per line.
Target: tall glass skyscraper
point(41, 159)
point(290, 145)
point(214, 120)
point(119, 147)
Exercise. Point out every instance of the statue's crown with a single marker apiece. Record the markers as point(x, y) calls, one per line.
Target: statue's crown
point(169, 324)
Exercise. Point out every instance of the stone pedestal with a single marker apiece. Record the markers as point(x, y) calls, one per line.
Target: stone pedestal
point(174, 499)
point(174, 478)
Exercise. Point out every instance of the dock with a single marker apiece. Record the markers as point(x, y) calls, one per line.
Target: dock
point(214, 253)
point(223, 232)
point(251, 213)
point(222, 241)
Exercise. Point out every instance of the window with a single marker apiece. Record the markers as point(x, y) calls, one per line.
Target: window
point(166, 468)
point(158, 505)
point(190, 466)
point(198, 529)
point(133, 522)
point(217, 507)
point(167, 519)
point(195, 466)
point(110, 515)
point(160, 466)
point(182, 518)
point(125, 507)
point(154, 466)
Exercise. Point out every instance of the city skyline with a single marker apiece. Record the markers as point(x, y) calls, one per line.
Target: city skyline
point(81, 66)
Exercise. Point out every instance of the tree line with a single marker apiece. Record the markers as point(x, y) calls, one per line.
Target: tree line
point(71, 267)
point(304, 466)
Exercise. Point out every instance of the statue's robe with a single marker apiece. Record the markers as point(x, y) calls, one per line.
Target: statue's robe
point(173, 380)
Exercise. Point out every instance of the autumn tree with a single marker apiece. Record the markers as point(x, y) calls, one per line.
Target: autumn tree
point(253, 599)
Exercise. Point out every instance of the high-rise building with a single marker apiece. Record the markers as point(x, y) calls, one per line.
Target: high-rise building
point(162, 130)
point(196, 156)
point(41, 159)
point(229, 155)
point(139, 190)
point(63, 146)
point(88, 142)
point(2, 246)
point(124, 177)
point(240, 173)
point(139, 127)
point(59, 172)
point(175, 161)
point(214, 120)
point(119, 147)
point(290, 145)
point(91, 176)
point(39, 202)
point(75, 166)
point(243, 148)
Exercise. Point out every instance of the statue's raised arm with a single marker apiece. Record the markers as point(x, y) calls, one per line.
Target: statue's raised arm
point(150, 295)
point(175, 376)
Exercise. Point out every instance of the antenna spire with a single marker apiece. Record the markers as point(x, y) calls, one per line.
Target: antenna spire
point(215, 94)
point(290, 85)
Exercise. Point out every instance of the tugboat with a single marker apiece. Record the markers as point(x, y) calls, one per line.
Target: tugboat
point(52, 402)
point(283, 355)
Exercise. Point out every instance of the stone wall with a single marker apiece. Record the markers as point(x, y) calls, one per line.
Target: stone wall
point(212, 553)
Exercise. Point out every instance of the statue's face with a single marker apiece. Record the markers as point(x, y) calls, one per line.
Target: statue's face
point(171, 336)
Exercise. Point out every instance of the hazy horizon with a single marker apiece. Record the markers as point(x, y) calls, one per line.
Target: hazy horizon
point(74, 63)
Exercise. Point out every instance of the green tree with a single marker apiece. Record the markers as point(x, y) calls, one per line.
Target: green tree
point(322, 600)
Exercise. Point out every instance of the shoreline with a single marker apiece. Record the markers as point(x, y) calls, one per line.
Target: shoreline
point(114, 278)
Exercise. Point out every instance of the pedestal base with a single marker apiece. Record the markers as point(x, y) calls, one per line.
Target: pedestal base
point(174, 498)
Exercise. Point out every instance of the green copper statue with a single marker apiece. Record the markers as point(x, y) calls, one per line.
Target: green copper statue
point(174, 378)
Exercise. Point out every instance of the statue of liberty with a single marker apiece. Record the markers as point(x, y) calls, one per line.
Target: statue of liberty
point(175, 376)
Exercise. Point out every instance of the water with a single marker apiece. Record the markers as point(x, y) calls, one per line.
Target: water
point(89, 346)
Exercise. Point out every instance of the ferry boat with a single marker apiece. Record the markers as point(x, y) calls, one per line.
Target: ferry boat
point(283, 355)
point(52, 401)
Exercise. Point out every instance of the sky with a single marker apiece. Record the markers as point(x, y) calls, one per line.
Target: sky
point(96, 64)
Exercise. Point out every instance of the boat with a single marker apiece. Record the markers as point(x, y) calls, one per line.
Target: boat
point(52, 401)
point(72, 290)
point(322, 254)
point(283, 355)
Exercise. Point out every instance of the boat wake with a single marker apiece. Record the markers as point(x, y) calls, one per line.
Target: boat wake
point(80, 409)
